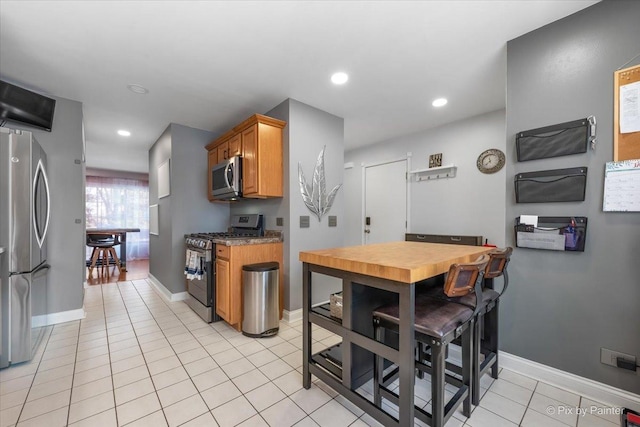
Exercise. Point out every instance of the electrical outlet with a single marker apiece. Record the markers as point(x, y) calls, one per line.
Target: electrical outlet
point(304, 221)
point(609, 357)
point(279, 222)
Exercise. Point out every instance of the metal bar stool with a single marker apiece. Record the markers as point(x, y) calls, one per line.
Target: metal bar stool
point(437, 323)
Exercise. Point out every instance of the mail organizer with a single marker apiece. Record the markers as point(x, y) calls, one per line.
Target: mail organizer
point(558, 185)
point(553, 141)
point(554, 233)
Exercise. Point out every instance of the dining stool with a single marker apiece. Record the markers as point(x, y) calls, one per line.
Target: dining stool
point(437, 323)
point(103, 252)
point(486, 331)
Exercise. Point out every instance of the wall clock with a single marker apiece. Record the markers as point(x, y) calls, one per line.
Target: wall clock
point(490, 161)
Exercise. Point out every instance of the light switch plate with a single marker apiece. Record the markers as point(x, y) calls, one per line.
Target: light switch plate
point(333, 221)
point(609, 357)
point(304, 221)
point(279, 222)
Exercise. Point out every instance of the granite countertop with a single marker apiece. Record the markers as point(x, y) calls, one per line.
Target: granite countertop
point(270, 236)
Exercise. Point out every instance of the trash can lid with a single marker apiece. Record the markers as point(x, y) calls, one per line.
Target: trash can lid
point(263, 266)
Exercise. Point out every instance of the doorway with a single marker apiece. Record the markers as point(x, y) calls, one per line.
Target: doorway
point(385, 202)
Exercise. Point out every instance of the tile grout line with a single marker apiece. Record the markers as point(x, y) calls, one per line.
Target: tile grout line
point(50, 331)
point(141, 352)
point(75, 360)
point(231, 379)
point(106, 332)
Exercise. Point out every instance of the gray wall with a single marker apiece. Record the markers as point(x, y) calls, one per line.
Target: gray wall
point(308, 130)
point(561, 308)
point(472, 203)
point(186, 209)
point(117, 157)
point(66, 245)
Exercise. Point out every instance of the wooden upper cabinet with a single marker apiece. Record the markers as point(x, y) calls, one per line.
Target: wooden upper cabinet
point(259, 140)
point(262, 163)
point(234, 146)
point(223, 151)
point(250, 161)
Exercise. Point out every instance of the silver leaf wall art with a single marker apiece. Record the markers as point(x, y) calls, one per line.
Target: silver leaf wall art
point(315, 196)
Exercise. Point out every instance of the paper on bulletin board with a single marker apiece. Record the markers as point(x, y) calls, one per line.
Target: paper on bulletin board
point(630, 108)
point(622, 186)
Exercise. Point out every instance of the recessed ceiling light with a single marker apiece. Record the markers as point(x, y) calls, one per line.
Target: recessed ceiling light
point(339, 78)
point(138, 89)
point(123, 132)
point(440, 102)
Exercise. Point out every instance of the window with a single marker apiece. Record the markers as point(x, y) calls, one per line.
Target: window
point(120, 203)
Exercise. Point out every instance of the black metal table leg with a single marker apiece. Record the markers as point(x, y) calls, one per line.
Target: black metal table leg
point(306, 326)
point(406, 359)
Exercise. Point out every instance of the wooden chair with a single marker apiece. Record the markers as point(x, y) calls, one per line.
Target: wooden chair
point(103, 252)
point(437, 323)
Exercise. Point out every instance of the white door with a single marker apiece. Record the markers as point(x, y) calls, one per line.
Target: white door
point(385, 202)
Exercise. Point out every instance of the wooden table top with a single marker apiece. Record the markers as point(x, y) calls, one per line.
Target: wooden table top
point(112, 230)
point(400, 261)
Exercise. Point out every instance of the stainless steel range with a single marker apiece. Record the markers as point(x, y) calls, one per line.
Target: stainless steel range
point(200, 262)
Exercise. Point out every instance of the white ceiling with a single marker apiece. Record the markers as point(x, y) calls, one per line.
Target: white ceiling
point(211, 64)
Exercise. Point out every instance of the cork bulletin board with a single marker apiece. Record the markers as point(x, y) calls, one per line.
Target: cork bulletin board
point(626, 119)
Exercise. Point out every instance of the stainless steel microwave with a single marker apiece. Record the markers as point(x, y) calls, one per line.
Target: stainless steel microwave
point(226, 179)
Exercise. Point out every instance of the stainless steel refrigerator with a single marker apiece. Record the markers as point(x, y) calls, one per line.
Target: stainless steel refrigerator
point(24, 221)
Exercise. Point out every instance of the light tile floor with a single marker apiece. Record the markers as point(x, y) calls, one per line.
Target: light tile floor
point(137, 360)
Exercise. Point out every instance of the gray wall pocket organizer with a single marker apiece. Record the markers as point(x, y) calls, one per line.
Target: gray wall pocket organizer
point(557, 140)
point(557, 185)
point(553, 233)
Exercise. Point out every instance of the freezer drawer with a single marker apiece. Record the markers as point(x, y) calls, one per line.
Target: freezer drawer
point(22, 338)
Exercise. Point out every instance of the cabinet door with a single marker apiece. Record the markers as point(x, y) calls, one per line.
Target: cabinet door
point(223, 151)
point(235, 145)
point(213, 159)
point(250, 160)
point(223, 291)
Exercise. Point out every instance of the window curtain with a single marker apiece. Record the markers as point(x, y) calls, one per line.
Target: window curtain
point(120, 203)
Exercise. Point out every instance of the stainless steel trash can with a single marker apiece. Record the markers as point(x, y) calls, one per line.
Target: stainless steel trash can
point(260, 286)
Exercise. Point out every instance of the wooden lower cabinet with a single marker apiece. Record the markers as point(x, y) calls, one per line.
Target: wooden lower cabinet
point(229, 262)
point(223, 291)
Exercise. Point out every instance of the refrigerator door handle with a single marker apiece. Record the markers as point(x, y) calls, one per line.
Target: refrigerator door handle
point(40, 268)
point(41, 234)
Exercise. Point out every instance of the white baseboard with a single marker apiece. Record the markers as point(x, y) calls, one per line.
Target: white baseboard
point(594, 390)
point(292, 316)
point(60, 317)
point(166, 294)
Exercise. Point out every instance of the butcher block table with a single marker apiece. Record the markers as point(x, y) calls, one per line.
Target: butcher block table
point(393, 267)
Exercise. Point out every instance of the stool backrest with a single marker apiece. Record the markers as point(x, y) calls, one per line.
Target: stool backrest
point(463, 278)
point(498, 262)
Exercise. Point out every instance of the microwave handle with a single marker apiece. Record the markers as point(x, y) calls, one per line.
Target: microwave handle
point(226, 174)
